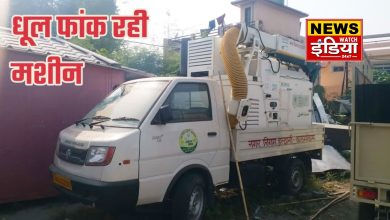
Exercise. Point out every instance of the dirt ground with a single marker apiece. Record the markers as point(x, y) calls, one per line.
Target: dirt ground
point(263, 203)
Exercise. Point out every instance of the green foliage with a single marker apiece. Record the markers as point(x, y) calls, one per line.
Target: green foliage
point(171, 63)
point(19, 7)
point(381, 76)
point(54, 7)
point(134, 57)
point(139, 58)
point(85, 43)
point(106, 7)
point(348, 94)
point(151, 61)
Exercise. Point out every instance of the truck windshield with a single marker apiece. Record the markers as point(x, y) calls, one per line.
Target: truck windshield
point(127, 105)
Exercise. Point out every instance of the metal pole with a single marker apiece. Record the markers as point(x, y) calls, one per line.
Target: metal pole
point(233, 147)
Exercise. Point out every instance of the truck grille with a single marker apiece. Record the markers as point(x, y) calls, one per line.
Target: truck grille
point(71, 154)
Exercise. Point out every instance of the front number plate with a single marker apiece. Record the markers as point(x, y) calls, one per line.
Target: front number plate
point(62, 181)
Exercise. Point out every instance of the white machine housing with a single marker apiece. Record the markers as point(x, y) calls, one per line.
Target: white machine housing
point(280, 97)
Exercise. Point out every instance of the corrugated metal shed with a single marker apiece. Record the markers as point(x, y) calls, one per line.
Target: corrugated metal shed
point(32, 116)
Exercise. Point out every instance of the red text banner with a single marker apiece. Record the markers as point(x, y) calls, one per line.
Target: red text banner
point(30, 27)
point(53, 72)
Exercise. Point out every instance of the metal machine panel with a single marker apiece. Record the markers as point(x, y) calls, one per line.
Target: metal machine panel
point(290, 47)
point(372, 151)
point(203, 57)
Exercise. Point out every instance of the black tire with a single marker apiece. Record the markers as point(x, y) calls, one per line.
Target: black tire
point(366, 211)
point(293, 176)
point(189, 198)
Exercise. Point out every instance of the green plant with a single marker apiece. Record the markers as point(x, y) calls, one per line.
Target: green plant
point(381, 76)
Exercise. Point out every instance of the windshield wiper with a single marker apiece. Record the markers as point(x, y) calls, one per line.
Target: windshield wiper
point(102, 119)
point(79, 121)
point(97, 117)
point(125, 119)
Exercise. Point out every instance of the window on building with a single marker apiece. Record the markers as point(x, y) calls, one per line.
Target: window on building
point(189, 102)
point(338, 68)
point(248, 15)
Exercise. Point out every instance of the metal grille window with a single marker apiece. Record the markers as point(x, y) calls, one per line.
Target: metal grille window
point(338, 69)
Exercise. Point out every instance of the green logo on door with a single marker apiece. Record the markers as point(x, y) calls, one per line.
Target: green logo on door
point(188, 141)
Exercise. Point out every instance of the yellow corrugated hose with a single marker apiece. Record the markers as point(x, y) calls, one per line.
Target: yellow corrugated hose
point(234, 68)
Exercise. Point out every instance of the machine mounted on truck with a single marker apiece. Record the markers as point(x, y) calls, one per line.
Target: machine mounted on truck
point(172, 140)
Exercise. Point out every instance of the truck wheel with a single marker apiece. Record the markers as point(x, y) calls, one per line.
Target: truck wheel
point(189, 198)
point(293, 176)
point(366, 211)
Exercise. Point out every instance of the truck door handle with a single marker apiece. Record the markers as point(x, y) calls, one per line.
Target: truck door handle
point(212, 134)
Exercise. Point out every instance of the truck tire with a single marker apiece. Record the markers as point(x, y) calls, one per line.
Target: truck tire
point(293, 176)
point(366, 211)
point(189, 198)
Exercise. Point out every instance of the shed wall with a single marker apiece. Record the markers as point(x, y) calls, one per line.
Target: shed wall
point(31, 118)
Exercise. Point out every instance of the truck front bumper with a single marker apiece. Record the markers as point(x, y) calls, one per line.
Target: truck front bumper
point(102, 194)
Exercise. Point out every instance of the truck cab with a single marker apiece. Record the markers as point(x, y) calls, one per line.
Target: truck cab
point(173, 139)
point(142, 139)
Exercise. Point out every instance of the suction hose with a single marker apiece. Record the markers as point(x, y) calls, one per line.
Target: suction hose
point(234, 69)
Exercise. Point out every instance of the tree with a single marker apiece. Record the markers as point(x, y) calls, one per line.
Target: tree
point(105, 45)
point(19, 7)
point(134, 57)
point(381, 76)
point(171, 63)
point(140, 58)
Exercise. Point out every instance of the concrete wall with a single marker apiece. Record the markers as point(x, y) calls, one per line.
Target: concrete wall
point(276, 19)
point(330, 80)
point(333, 81)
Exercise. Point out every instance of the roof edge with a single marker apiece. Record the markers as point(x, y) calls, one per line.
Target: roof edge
point(111, 62)
point(293, 10)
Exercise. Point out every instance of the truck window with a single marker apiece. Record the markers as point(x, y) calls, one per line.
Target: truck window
point(131, 100)
point(189, 102)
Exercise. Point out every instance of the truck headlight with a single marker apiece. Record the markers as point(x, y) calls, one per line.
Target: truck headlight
point(99, 156)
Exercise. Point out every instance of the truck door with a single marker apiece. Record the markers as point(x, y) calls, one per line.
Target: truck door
point(190, 136)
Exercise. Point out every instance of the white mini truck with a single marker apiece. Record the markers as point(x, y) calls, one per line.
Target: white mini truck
point(167, 140)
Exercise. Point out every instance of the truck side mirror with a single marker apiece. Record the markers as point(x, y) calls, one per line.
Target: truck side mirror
point(162, 116)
